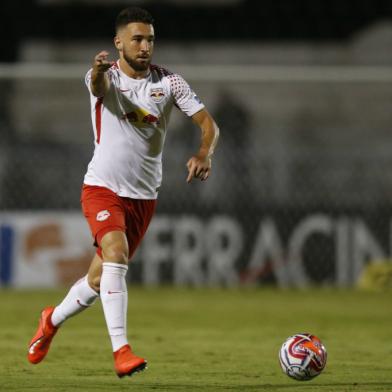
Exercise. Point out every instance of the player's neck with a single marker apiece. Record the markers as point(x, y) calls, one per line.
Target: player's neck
point(130, 72)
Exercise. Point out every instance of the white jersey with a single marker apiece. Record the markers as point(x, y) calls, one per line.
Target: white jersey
point(130, 124)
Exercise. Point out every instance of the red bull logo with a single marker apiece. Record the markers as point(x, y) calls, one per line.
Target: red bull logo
point(141, 117)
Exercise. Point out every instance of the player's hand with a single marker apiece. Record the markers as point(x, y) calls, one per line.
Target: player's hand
point(198, 167)
point(101, 62)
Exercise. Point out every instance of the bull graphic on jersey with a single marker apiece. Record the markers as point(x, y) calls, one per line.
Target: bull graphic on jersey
point(157, 94)
point(139, 116)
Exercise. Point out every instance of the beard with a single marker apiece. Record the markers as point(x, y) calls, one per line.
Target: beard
point(136, 65)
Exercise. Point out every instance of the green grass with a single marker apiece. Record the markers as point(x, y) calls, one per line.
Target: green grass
point(204, 340)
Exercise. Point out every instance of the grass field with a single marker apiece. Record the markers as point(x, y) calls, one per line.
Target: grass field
point(204, 340)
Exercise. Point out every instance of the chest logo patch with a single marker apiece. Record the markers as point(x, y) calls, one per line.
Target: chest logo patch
point(157, 94)
point(141, 117)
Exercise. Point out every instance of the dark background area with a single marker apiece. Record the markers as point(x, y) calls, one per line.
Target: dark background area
point(250, 20)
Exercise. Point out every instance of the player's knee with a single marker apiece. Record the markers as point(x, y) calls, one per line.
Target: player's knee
point(115, 253)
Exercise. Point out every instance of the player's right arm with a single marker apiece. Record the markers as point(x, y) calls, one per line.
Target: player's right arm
point(99, 79)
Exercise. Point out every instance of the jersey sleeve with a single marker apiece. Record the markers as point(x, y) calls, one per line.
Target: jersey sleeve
point(87, 79)
point(184, 97)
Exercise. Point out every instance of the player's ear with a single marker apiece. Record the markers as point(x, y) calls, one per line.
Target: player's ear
point(117, 43)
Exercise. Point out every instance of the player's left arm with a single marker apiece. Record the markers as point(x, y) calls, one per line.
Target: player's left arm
point(199, 165)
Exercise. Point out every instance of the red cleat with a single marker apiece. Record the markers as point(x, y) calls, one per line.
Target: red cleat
point(39, 345)
point(127, 363)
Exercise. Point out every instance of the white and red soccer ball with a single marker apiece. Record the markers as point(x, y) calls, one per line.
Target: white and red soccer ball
point(302, 356)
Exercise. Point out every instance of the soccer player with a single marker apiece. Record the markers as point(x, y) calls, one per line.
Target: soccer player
point(131, 101)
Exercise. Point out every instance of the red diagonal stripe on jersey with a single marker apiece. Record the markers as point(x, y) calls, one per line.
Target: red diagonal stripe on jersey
point(98, 113)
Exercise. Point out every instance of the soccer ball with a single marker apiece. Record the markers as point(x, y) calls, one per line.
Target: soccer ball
point(302, 356)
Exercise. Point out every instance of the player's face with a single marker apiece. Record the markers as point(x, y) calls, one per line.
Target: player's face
point(135, 43)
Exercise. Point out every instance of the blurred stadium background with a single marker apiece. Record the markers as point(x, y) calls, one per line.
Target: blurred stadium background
point(301, 189)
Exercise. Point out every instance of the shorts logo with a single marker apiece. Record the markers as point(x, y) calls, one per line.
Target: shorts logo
point(103, 215)
point(157, 94)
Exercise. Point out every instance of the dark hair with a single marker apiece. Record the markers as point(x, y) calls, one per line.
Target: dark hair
point(133, 14)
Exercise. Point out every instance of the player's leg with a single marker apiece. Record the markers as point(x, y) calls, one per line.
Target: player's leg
point(80, 297)
point(113, 287)
point(114, 297)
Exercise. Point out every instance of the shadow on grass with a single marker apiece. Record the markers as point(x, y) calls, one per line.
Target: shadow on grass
point(262, 387)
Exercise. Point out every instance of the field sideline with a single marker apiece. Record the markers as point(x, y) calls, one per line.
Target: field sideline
point(204, 340)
